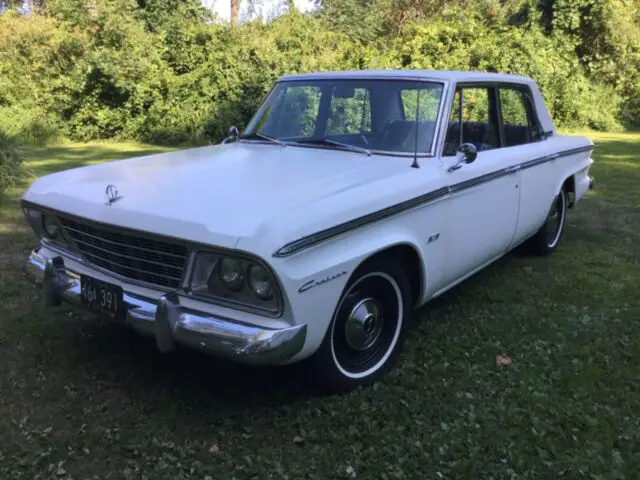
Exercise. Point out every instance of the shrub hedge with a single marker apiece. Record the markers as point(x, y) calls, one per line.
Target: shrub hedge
point(170, 75)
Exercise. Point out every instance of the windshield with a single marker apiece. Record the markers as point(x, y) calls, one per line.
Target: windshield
point(385, 116)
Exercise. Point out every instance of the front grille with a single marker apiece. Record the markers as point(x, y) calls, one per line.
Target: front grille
point(130, 255)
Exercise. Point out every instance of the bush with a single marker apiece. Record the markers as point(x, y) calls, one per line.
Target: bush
point(462, 42)
point(160, 72)
point(32, 125)
point(10, 164)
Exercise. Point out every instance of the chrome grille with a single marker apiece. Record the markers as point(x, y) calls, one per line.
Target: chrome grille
point(130, 255)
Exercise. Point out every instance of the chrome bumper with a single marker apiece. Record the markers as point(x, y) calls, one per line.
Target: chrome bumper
point(170, 323)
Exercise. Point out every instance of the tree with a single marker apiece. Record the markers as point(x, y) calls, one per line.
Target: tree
point(235, 11)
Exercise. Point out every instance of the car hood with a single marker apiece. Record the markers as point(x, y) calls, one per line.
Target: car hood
point(214, 195)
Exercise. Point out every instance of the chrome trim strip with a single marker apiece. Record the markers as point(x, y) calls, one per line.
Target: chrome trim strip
point(169, 322)
point(310, 240)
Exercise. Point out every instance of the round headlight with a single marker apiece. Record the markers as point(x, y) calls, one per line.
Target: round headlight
point(51, 227)
point(260, 282)
point(231, 274)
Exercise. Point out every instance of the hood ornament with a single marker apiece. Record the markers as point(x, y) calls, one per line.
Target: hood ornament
point(112, 195)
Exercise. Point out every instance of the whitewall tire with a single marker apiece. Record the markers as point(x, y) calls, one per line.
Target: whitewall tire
point(546, 240)
point(368, 328)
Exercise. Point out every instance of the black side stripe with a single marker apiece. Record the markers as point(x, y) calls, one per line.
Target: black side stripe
point(323, 235)
point(318, 237)
point(487, 177)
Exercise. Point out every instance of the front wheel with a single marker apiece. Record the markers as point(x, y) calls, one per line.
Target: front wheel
point(368, 327)
point(548, 237)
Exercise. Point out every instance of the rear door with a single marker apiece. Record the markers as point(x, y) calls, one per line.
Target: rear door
point(524, 142)
point(484, 195)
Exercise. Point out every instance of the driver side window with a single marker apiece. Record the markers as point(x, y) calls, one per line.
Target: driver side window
point(472, 120)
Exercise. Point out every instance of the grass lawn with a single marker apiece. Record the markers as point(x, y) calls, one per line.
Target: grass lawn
point(84, 400)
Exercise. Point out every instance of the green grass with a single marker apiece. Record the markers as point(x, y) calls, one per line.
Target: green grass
point(84, 400)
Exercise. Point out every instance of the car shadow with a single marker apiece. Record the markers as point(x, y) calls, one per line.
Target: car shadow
point(120, 356)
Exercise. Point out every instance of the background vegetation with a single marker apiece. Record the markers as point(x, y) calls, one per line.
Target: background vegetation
point(163, 71)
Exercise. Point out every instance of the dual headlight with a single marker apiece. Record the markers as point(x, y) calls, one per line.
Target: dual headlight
point(47, 226)
point(236, 279)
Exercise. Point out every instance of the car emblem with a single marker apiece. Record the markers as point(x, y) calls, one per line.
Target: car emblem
point(112, 195)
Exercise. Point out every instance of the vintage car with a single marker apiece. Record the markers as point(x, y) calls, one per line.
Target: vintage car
point(350, 200)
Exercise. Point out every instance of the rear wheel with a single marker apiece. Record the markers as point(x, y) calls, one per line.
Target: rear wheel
point(548, 237)
point(368, 327)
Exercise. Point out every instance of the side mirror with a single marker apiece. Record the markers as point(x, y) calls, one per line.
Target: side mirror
point(465, 153)
point(233, 134)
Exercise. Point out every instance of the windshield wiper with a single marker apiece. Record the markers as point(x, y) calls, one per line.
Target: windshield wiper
point(326, 141)
point(262, 137)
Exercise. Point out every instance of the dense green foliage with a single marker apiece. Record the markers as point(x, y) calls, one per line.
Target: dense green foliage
point(162, 71)
point(10, 162)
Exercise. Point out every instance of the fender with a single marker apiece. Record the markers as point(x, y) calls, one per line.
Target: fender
point(572, 170)
point(314, 279)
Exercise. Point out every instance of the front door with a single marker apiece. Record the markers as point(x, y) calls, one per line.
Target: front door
point(484, 195)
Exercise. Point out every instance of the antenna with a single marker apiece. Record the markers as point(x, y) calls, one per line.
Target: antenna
point(415, 143)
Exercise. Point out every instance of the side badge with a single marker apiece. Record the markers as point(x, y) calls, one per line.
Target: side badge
point(316, 283)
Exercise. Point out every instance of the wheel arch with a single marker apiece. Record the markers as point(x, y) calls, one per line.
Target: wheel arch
point(411, 261)
point(569, 186)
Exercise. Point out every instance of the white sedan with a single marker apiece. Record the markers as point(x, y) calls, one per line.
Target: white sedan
point(350, 199)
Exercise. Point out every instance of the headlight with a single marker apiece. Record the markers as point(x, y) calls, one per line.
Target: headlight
point(231, 274)
point(51, 227)
point(260, 282)
point(48, 226)
point(238, 280)
point(34, 218)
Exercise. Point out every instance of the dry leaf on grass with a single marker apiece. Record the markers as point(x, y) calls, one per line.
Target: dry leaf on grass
point(503, 359)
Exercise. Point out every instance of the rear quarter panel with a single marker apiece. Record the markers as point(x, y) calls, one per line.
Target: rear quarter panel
point(540, 183)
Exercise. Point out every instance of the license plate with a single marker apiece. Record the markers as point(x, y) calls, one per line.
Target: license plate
point(102, 298)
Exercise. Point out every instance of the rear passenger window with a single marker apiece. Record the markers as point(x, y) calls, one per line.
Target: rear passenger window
point(515, 120)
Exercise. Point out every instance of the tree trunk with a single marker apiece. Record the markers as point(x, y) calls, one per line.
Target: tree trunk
point(235, 10)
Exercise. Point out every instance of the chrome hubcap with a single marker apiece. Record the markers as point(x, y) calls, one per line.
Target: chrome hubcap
point(364, 324)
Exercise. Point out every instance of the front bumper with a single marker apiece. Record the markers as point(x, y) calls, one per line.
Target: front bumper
point(169, 322)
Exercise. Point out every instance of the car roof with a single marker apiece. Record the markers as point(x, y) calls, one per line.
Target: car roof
point(456, 76)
